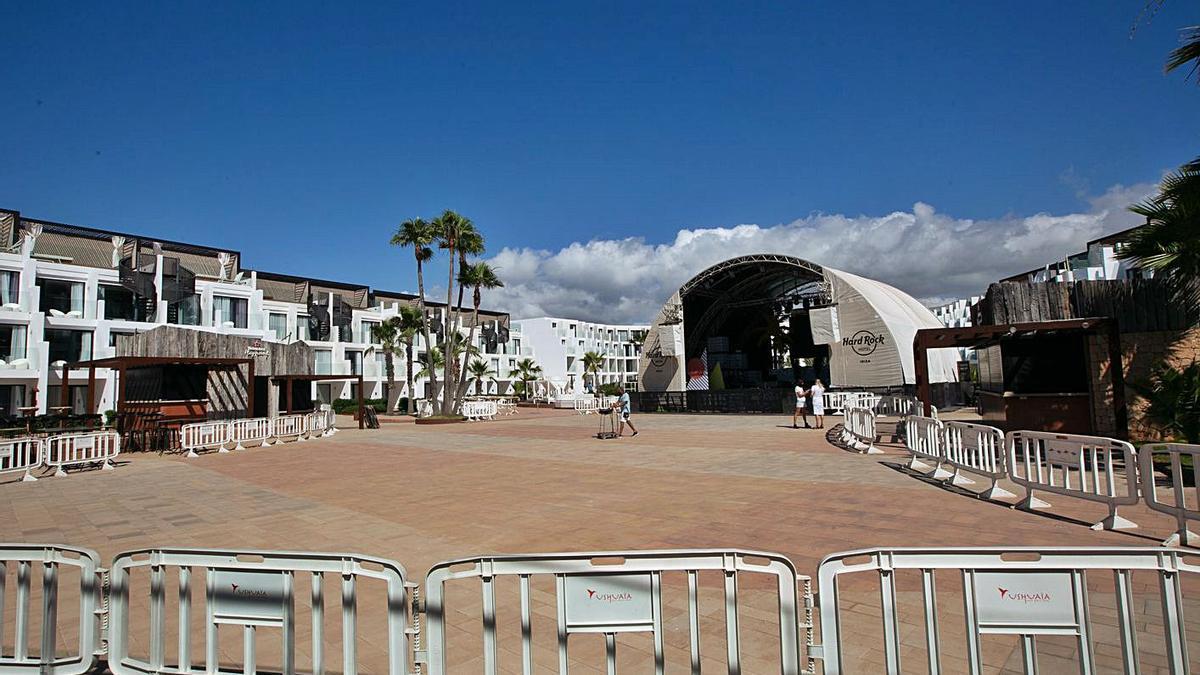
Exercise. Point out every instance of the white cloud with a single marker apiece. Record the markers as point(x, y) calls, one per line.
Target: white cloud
point(928, 254)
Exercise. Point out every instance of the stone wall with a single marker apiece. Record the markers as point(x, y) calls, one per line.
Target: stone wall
point(1141, 354)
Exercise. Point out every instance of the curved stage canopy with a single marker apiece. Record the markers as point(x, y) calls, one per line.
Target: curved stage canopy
point(770, 319)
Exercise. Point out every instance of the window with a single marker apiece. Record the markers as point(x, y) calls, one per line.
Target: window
point(10, 283)
point(69, 345)
point(12, 398)
point(278, 325)
point(12, 343)
point(185, 312)
point(61, 296)
point(302, 327)
point(76, 398)
point(229, 312)
point(324, 361)
point(325, 393)
point(365, 328)
point(120, 303)
point(355, 359)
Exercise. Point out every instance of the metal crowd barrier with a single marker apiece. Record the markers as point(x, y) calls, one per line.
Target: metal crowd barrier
point(249, 590)
point(289, 426)
point(97, 447)
point(321, 423)
point(1086, 467)
point(587, 406)
point(255, 429)
point(204, 436)
point(858, 430)
point(1022, 592)
point(50, 561)
point(595, 597)
point(476, 411)
point(977, 449)
point(1184, 504)
point(924, 437)
point(21, 455)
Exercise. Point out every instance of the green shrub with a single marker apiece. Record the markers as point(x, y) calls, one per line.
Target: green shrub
point(1173, 401)
point(347, 406)
point(609, 389)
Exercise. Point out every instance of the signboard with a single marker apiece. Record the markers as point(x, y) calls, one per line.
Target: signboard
point(823, 323)
point(1027, 601)
point(6, 452)
point(256, 348)
point(670, 339)
point(609, 603)
point(1063, 452)
point(248, 597)
point(85, 442)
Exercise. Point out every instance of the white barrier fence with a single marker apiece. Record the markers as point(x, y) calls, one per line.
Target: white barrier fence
point(289, 427)
point(1007, 594)
point(587, 406)
point(253, 430)
point(613, 594)
point(52, 564)
point(476, 411)
point(321, 423)
point(1085, 467)
point(21, 455)
point(858, 430)
point(204, 436)
point(1184, 501)
point(251, 592)
point(925, 438)
point(97, 447)
point(1008, 599)
point(977, 449)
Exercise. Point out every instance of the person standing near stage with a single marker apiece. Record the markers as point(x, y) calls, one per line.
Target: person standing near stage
point(817, 394)
point(801, 408)
point(623, 405)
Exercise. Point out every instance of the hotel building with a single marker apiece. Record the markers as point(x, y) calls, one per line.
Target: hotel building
point(561, 343)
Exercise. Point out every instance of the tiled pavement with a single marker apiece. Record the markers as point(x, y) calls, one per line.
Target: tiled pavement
point(540, 482)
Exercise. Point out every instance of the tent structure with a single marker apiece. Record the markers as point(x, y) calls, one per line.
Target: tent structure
point(745, 312)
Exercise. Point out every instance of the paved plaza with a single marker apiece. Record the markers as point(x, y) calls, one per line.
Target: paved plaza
point(540, 482)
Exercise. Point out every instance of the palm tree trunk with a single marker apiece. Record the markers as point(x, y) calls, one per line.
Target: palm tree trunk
point(447, 394)
point(462, 383)
point(412, 403)
point(428, 337)
point(388, 386)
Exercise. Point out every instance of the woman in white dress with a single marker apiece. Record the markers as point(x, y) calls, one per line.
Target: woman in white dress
point(816, 393)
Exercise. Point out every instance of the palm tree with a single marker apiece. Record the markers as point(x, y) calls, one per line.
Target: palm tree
point(419, 234)
point(478, 276)
point(409, 322)
point(387, 335)
point(525, 370)
point(592, 363)
point(431, 360)
point(479, 370)
point(449, 227)
point(1187, 52)
point(470, 243)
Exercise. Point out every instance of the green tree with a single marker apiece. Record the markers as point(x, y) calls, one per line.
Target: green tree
point(526, 370)
point(1173, 401)
point(387, 335)
point(479, 276)
point(410, 321)
point(480, 370)
point(449, 228)
point(593, 362)
point(420, 235)
point(431, 361)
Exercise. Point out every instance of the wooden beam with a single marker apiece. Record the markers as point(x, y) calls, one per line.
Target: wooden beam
point(1116, 367)
point(250, 389)
point(65, 393)
point(361, 416)
point(91, 390)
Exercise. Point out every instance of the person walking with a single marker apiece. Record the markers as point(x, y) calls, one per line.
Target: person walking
point(623, 404)
point(817, 394)
point(801, 408)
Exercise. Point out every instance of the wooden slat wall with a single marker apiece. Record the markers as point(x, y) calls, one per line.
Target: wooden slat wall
point(1138, 305)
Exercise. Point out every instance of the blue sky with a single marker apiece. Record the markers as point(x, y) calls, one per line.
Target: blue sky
point(302, 133)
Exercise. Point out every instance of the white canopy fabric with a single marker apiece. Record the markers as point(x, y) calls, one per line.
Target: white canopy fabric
point(878, 324)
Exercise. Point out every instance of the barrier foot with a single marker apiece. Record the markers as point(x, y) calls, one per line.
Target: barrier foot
point(941, 473)
point(1115, 522)
point(872, 450)
point(301, 438)
point(961, 480)
point(29, 478)
point(239, 446)
point(996, 492)
point(60, 473)
point(1188, 540)
point(1030, 502)
point(107, 467)
point(266, 443)
point(191, 454)
point(223, 450)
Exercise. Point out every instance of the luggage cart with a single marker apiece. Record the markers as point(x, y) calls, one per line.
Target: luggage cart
point(608, 423)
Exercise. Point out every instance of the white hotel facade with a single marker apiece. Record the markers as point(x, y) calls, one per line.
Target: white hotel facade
point(559, 345)
point(67, 293)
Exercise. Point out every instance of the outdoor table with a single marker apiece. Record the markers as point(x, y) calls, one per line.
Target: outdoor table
point(28, 412)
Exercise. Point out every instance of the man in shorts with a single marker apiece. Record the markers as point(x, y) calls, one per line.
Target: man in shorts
point(623, 405)
point(801, 407)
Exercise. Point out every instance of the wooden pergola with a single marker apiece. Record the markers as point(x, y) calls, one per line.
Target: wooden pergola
point(123, 363)
point(976, 336)
point(287, 381)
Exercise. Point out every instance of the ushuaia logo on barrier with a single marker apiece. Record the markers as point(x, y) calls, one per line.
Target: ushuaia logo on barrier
point(863, 342)
point(1006, 594)
point(240, 592)
point(609, 597)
